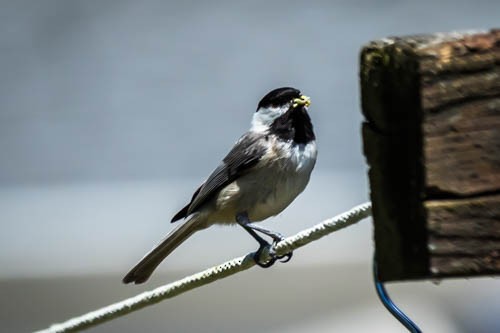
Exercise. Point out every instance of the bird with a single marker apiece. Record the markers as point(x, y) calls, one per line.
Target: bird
point(266, 169)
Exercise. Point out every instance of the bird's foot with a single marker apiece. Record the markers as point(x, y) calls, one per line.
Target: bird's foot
point(251, 228)
point(286, 257)
point(272, 254)
point(257, 255)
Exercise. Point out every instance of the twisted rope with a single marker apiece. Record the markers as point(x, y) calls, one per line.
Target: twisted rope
point(209, 275)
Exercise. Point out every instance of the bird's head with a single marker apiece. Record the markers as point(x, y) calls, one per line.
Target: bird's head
point(275, 104)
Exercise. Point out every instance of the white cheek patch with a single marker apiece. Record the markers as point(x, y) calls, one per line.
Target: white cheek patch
point(264, 117)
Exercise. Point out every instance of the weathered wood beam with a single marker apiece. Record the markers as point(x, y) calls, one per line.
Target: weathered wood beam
point(432, 142)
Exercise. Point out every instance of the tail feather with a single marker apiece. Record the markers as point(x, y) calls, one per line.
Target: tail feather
point(144, 268)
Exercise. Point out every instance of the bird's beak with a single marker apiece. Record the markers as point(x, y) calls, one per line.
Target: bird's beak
point(302, 100)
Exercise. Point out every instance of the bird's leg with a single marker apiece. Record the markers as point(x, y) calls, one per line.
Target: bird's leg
point(244, 221)
point(276, 236)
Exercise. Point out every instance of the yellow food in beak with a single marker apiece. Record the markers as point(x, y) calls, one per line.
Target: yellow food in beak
point(302, 100)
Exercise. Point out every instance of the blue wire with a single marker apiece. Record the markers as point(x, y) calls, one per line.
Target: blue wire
point(389, 305)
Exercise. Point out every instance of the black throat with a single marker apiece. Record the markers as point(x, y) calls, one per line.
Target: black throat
point(295, 125)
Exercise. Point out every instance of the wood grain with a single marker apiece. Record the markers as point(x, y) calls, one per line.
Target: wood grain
point(432, 142)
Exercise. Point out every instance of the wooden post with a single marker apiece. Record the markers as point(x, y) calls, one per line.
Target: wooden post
point(432, 141)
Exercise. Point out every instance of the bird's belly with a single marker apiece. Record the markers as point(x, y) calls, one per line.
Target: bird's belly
point(276, 198)
point(266, 191)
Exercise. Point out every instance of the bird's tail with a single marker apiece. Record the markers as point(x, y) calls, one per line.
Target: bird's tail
point(144, 268)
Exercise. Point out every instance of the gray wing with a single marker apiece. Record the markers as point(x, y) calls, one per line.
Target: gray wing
point(245, 154)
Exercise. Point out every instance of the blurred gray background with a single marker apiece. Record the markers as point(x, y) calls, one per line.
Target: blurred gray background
point(112, 112)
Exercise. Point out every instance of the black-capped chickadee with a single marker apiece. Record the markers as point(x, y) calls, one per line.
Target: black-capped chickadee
point(262, 174)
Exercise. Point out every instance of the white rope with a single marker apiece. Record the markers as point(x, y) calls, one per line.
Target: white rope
point(212, 274)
